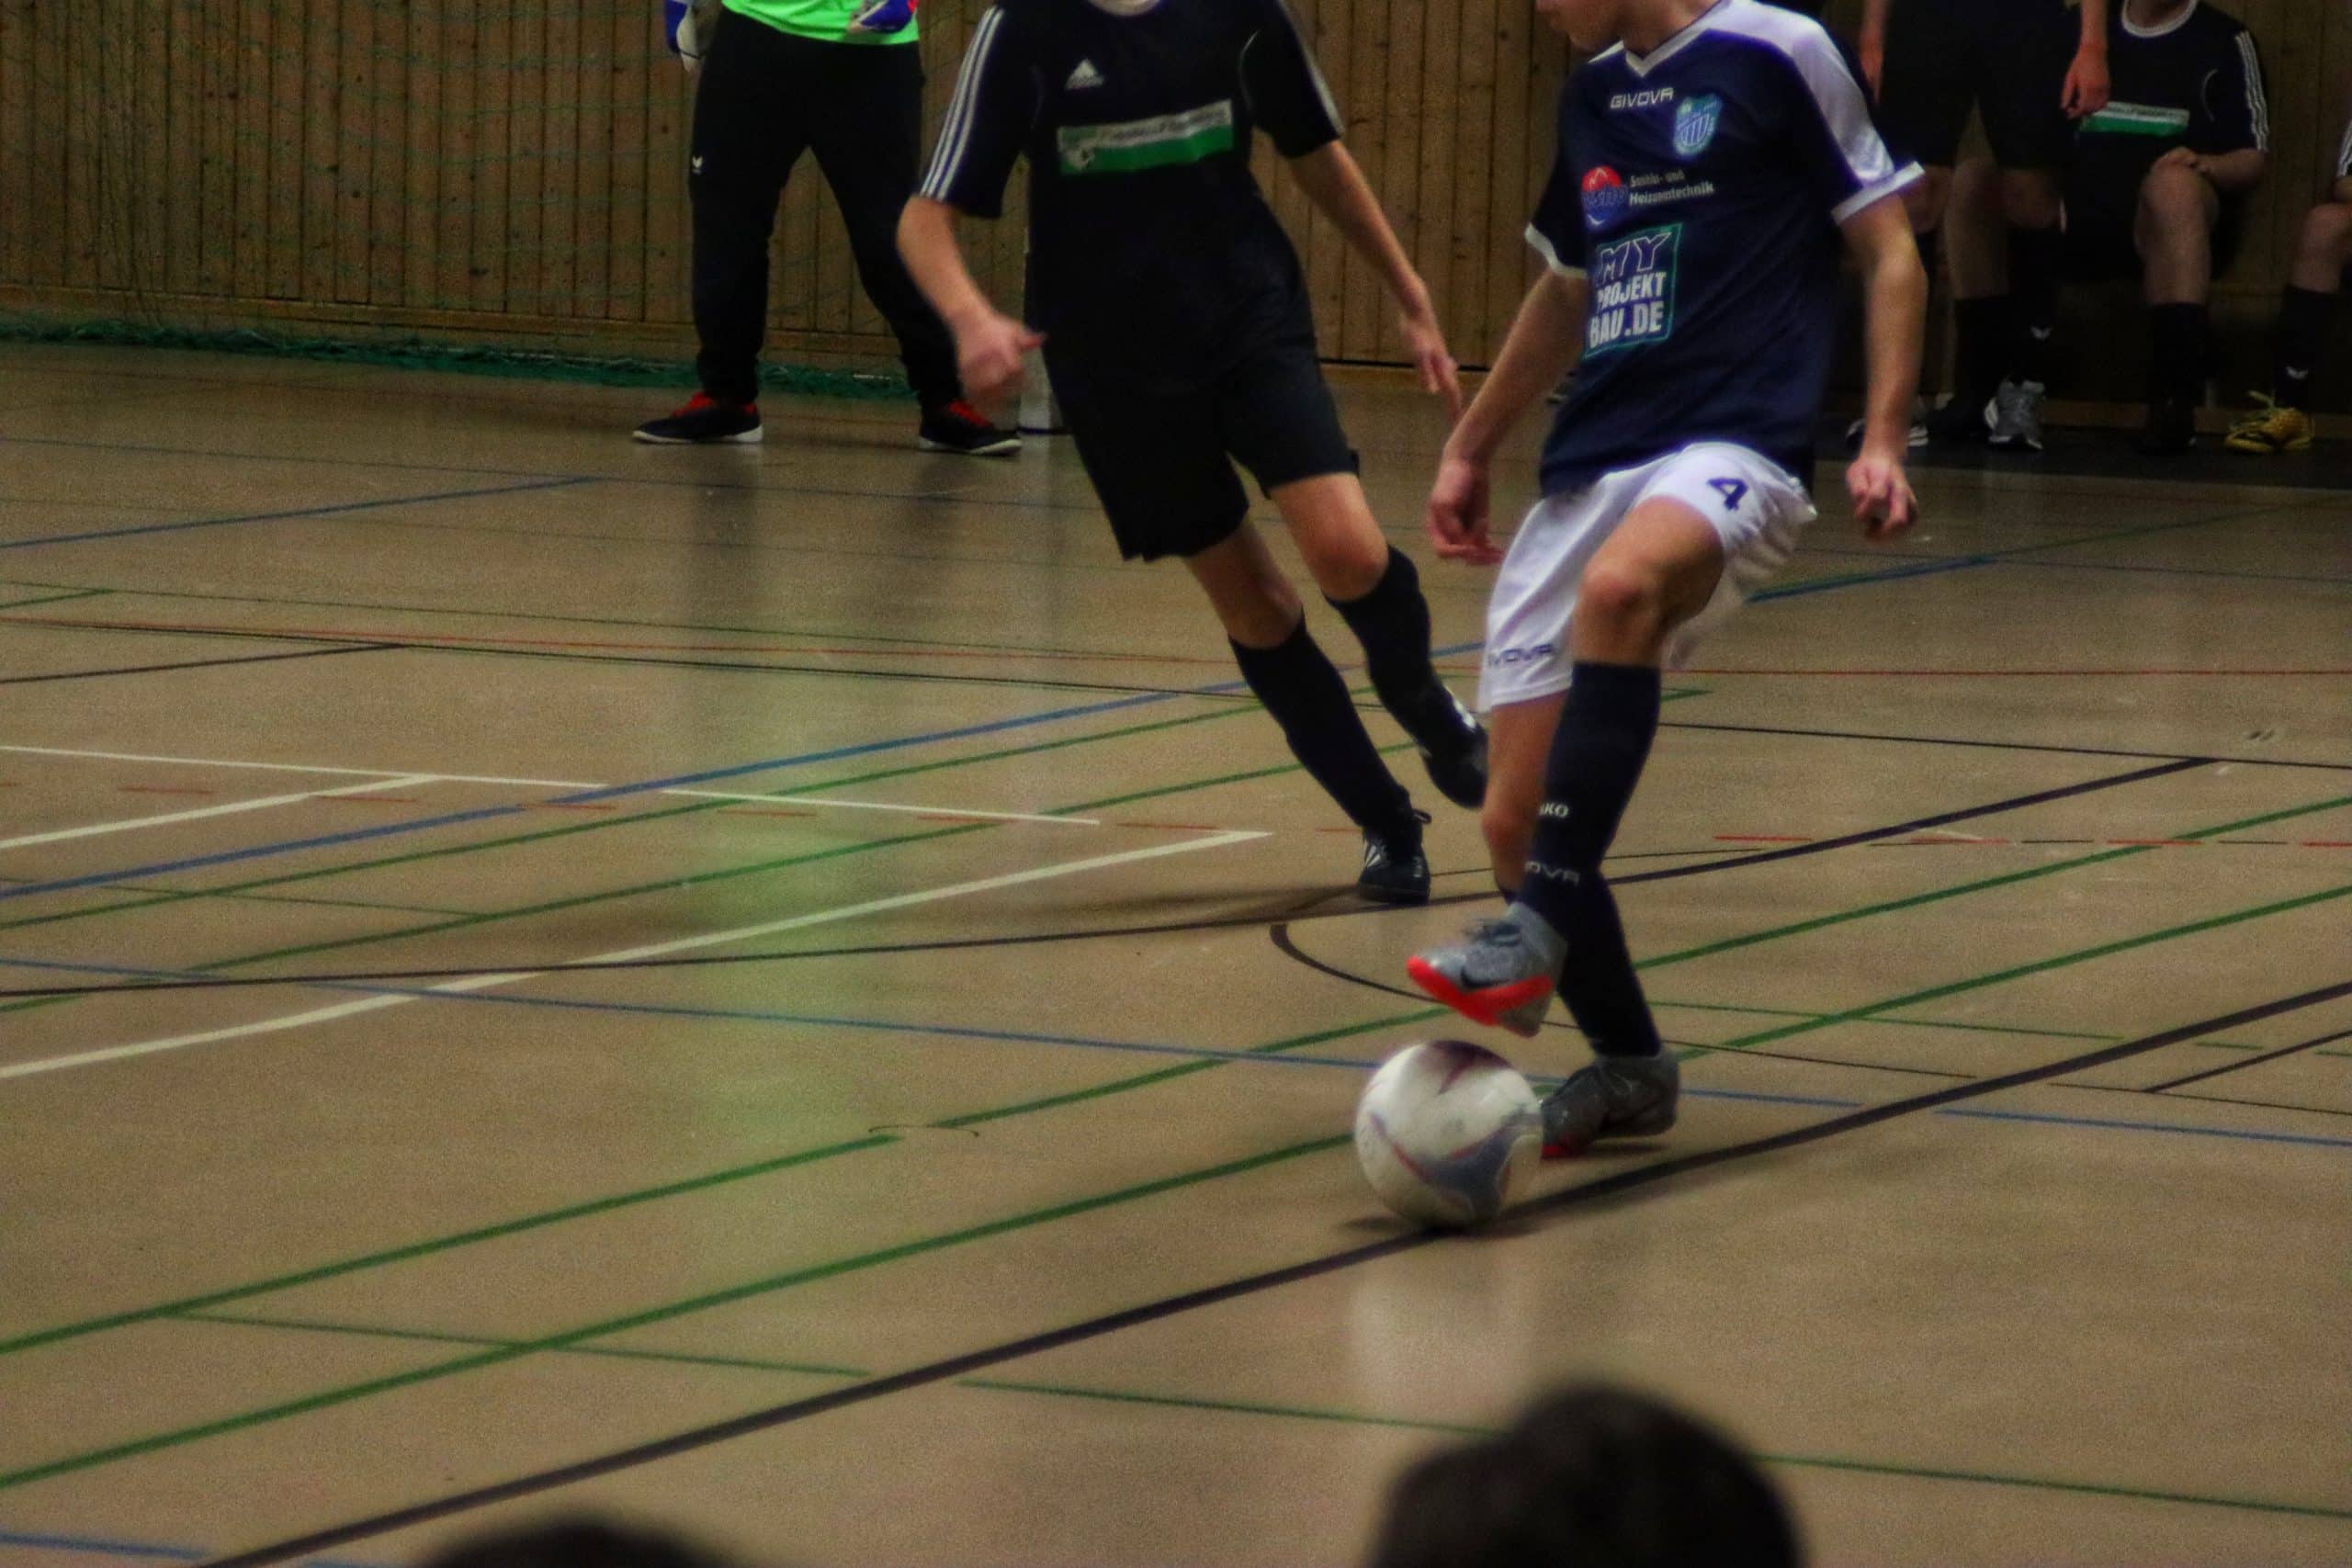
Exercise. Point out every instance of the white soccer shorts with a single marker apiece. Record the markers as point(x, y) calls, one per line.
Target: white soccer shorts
point(1755, 506)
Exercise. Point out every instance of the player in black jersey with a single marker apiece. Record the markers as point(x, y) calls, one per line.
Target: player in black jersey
point(2306, 309)
point(1174, 320)
point(2158, 182)
point(2027, 67)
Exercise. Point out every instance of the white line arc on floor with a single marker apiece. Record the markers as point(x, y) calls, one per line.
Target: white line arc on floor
point(623, 955)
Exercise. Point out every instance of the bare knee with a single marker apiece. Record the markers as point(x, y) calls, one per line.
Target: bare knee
point(1623, 602)
point(2029, 199)
point(1262, 615)
point(2173, 199)
point(2326, 239)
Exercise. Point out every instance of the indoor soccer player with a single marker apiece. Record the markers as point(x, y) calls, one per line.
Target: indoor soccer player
point(2306, 309)
point(1174, 320)
point(1713, 158)
point(2027, 67)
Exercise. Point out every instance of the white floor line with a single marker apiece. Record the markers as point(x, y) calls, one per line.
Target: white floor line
point(885, 805)
point(229, 808)
point(623, 955)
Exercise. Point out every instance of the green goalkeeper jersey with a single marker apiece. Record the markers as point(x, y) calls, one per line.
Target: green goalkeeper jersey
point(827, 20)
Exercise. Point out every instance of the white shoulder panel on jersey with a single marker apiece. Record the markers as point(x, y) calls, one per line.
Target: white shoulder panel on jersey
point(1844, 107)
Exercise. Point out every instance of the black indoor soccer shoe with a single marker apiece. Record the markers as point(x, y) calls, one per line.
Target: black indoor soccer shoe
point(1396, 871)
point(703, 421)
point(960, 428)
point(1453, 748)
point(1617, 1097)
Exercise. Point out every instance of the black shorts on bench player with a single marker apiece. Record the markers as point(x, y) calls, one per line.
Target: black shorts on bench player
point(1174, 320)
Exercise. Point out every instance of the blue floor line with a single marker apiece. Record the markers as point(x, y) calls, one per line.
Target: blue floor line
point(2312, 1138)
point(296, 515)
point(1892, 574)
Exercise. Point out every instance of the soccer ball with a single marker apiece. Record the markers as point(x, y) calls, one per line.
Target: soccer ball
point(1446, 1132)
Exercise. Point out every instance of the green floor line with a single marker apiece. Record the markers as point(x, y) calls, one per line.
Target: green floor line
point(834, 1269)
point(669, 1312)
point(1307, 1413)
point(605, 1205)
point(54, 599)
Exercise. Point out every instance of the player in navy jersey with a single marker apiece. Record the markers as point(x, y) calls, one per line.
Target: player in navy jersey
point(1712, 159)
point(2306, 309)
point(1173, 316)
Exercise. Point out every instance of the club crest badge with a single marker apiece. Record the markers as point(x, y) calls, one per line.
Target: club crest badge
point(1695, 120)
point(1604, 198)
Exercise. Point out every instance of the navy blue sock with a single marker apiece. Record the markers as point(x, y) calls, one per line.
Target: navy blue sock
point(1603, 739)
point(1392, 620)
point(1305, 693)
point(2303, 315)
point(2036, 256)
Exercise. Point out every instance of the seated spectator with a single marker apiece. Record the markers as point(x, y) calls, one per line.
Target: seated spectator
point(1588, 1478)
point(2283, 423)
point(2156, 188)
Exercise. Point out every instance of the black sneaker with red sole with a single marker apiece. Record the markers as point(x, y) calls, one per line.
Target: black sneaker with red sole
point(960, 428)
point(702, 421)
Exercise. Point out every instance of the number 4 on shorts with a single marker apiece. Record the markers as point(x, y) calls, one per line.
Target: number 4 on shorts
point(1734, 492)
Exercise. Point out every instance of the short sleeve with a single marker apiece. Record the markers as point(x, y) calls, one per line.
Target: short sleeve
point(1556, 231)
point(1285, 92)
point(2241, 108)
point(994, 109)
point(1846, 160)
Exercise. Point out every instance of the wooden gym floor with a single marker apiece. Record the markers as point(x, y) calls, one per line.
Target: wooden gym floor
point(523, 947)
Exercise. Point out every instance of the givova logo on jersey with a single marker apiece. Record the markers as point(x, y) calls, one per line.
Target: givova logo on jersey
point(1633, 290)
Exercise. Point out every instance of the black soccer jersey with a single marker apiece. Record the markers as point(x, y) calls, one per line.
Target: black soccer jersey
point(2194, 82)
point(1152, 251)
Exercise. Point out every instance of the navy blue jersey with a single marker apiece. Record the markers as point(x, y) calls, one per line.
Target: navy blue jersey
point(1698, 191)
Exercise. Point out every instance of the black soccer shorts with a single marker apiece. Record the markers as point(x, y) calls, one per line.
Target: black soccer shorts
point(1161, 457)
point(2006, 57)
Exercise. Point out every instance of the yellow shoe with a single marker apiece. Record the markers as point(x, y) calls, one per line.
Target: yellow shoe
point(2269, 429)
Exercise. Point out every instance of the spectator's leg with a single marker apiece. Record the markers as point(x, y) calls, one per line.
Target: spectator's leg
point(2308, 306)
point(2029, 201)
point(2173, 232)
point(1980, 289)
point(868, 147)
point(744, 146)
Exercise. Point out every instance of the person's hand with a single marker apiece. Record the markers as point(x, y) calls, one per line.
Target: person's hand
point(1458, 514)
point(1883, 503)
point(990, 353)
point(1440, 377)
point(2085, 91)
point(1872, 50)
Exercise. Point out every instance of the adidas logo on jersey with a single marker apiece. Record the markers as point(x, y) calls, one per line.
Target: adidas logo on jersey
point(1084, 77)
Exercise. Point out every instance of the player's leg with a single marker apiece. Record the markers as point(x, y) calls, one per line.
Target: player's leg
point(2173, 232)
point(1158, 464)
point(1704, 526)
point(747, 134)
point(1276, 416)
point(866, 132)
point(1266, 626)
point(1519, 747)
point(2306, 310)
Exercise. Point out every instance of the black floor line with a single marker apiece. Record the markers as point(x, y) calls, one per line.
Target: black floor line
point(1525, 1219)
point(1306, 911)
point(2245, 1062)
point(201, 663)
point(1992, 745)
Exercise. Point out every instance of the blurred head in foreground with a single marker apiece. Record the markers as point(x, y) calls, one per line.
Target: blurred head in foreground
point(1588, 1478)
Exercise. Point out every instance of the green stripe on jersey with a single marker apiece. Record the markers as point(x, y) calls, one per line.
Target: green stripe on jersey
point(1161, 141)
point(2137, 120)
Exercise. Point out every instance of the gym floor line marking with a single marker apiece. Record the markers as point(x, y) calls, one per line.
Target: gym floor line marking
point(964, 1365)
point(300, 513)
point(230, 808)
point(1252, 1407)
point(186, 664)
point(650, 950)
point(1157, 1076)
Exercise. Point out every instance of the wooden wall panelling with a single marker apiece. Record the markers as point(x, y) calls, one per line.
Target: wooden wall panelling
point(1357, 333)
point(450, 285)
point(355, 150)
point(416, 257)
point(557, 71)
point(1334, 43)
point(249, 164)
point(1467, 314)
point(321, 51)
point(591, 222)
point(526, 196)
point(15, 138)
point(493, 153)
point(1440, 153)
point(669, 234)
point(183, 134)
point(1400, 160)
point(80, 122)
point(626, 85)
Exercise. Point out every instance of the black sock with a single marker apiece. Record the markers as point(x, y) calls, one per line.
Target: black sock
point(1606, 728)
point(1305, 693)
point(1392, 620)
point(2304, 317)
point(2034, 255)
point(1982, 327)
point(2176, 373)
